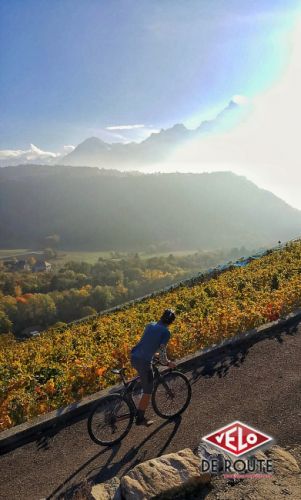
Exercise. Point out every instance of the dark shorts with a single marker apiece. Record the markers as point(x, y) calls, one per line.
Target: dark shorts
point(145, 372)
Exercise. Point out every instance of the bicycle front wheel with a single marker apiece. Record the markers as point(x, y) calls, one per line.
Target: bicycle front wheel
point(110, 420)
point(171, 395)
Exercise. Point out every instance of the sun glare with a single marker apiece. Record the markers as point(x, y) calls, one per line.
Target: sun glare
point(240, 99)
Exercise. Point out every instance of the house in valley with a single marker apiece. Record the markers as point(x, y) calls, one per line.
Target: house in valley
point(41, 266)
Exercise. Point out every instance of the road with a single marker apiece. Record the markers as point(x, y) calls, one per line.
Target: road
point(258, 384)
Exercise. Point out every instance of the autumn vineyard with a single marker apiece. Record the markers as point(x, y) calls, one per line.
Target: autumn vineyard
point(61, 367)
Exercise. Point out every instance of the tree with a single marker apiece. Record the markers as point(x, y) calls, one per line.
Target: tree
point(31, 260)
point(78, 267)
point(9, 306)
point(120, 293)
point(9, 285)
point(49, 253)
point(38, 309)
point(6, 325)
point(101, 297)
point(69, 303)
point(134, 273)
point(59, 325)
point(87, 311)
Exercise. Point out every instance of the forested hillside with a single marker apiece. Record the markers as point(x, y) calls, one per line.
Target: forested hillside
point(37, 300)
point(104, 210)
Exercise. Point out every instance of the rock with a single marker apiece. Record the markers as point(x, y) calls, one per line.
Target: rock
point(208, 452)
point(285, 482)
point(110, 490)
point(283, 461)
point(166, 474)
point(259, 455)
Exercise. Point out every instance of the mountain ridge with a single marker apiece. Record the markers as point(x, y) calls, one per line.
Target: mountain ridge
point(155, 148)
point(104, 210)
point(94, 151)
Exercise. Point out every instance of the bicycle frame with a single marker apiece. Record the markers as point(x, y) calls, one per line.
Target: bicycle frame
point(130, 385)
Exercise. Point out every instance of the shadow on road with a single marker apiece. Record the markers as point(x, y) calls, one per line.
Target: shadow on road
point(289, 330)
point(220, 367)
point(55, 493)
point(234, 356)
point(99, 473)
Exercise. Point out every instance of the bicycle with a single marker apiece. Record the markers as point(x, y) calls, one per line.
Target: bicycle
point(112, 417)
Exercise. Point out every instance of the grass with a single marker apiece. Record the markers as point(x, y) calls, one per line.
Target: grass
point(176, 253)
point(12, 252)
point(86, 256)
point(77, 256)
point(21, 254)
point(92, 257)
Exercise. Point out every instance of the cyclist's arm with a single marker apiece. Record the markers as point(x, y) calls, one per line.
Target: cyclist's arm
point(163, 359)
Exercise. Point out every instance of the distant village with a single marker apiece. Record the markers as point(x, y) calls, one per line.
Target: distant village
point(15, 265)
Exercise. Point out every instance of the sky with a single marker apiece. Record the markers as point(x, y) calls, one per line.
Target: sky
point(121, 69)
point(265, 146)
point(73, 68)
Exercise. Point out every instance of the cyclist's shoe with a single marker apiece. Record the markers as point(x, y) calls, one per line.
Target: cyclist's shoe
point(144, 421)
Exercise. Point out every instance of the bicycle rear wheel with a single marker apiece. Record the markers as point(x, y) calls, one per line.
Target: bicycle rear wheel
point(110, 420)
point(172, 395)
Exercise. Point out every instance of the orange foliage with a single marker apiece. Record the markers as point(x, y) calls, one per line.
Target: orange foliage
point(60, 367)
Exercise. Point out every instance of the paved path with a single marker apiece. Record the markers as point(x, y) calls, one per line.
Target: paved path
point(259, 384)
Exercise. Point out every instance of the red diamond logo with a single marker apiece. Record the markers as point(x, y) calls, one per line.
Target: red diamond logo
point(237, 438)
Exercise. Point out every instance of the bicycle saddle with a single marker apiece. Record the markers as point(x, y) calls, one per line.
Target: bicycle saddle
point(117, 371)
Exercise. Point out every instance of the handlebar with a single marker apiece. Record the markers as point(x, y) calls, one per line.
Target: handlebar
point(156, 361)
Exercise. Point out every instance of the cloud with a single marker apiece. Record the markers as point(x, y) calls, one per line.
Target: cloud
point(123, 133)
point(240, 99)
point(35, 155)
point(29, 154)
point(125, 127)
point(10, 153)
point(68, 148)
point(34, 151)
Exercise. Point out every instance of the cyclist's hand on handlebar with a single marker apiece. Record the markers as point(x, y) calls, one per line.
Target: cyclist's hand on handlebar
point(172, 365)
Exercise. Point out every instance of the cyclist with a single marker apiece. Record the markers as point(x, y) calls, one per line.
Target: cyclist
point(154, 339)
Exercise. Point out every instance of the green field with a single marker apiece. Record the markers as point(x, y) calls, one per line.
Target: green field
point(16, 252)
point(176, 253)
point(92, 257)
point(84, 256)
point(77, 256)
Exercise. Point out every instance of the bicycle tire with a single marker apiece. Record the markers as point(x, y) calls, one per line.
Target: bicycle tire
point(163, 389)
point(110, 404)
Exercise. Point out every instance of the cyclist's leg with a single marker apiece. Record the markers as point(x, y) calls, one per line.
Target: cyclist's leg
point(146, 375)
point(144, 401)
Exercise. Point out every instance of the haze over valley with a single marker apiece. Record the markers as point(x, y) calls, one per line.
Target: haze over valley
point(96, 209)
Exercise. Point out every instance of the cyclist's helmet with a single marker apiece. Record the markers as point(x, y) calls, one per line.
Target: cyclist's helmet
point(168, 316)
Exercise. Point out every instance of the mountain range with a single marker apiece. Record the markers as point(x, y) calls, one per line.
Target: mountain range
point(95, 152)
point(90, 208)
